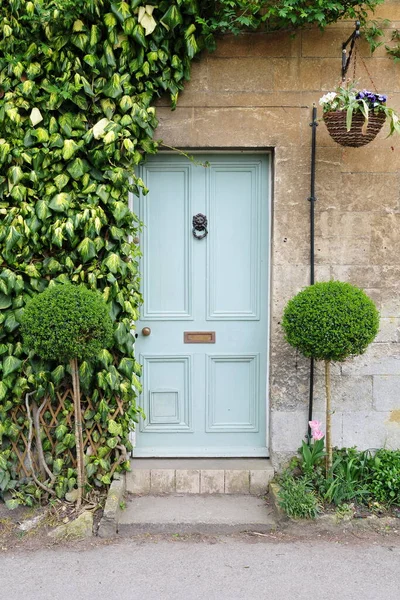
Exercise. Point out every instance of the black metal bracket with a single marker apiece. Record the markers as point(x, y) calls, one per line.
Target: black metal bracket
point(346, 59)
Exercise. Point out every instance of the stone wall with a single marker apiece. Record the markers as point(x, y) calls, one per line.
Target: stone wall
point(256, 91)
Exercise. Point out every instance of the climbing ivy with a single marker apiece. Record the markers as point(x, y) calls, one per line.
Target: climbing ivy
point(78, 79)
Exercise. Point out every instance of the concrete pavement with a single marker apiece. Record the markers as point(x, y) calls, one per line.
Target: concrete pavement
point(226, 569)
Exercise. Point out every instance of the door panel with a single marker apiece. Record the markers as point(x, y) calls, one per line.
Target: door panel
point(204, 399)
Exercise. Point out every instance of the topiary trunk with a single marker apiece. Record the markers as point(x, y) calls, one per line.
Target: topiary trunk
point(80, 464)
point(328, 415)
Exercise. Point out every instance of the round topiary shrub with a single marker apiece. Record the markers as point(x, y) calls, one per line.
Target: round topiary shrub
point(65, 322)
point(330, 321)
point(68, 323)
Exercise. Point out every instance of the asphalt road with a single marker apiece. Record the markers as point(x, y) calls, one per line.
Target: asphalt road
point(228, 569)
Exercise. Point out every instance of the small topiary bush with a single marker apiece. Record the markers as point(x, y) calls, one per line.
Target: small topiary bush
point(65, 322)
point(68, 323)
point(330, 321)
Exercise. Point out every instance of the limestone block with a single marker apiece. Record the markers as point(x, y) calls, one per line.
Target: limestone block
point(344, 224)
point(287, 430)
point(79, 528)
point(389, 330)
point(390, 10)
point(362, 160)
point(162, 481)
point(386, 392)
point(367, 429)
point(247, 127)
point(175, 128)
point(297, 73)
point(376, 193)
point(385, 242)
point(188, 481)
point(212, 481)
point(258, 45)
point(138, 481)
point(240, 74)
point(348, 393)
point(337, 250)
point(237, 482)
point(379, 359)
point(259, 481)
point(316, 43)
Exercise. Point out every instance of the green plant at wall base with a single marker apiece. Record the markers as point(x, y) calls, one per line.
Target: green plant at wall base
point(384, 477)
point(297, 497)
point(69, 323)
point(330, 321)
point(78, 80)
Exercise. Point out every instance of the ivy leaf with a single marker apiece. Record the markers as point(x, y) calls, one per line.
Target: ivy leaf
point(87, 249)
point(35, 116)
point(113, 89)
point(60, 202)
point(61, 181)
point(12, 238)
point(58, 374)
point(112, 262)
point(60, 432)
point(11, 364)
point(42, 210)
point(77, 169)
point(3, 390)
point(114, 428)
point(126, 366)
point(69, 149)
point(12, 504)
point(146, 18)
point(172, 18)
point(121, 10)
point(99, 128)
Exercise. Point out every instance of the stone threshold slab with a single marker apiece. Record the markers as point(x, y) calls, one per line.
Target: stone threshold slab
point(179, 514)
point(199, 476)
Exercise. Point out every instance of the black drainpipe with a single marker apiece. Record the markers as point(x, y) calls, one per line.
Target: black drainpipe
point(312, 200)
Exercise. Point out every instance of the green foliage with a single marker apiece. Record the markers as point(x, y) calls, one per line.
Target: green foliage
point(355, 477)
point(297, 497)
point(312, 455)
point(65, 322)
point(331, 321)
point(347, 479)
point(384, 477)
point(235, 15)
point(394, 50)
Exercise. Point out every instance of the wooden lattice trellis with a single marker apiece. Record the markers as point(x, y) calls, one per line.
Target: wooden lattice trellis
point(49, 420)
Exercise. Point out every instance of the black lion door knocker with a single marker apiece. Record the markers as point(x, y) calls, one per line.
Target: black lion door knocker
point(200, 225)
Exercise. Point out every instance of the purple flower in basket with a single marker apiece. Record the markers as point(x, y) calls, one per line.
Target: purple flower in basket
point(371, 98)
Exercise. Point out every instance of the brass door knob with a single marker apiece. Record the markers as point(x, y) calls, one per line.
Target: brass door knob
point(146, 331)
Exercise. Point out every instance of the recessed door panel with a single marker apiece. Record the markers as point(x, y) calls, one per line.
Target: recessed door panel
point(166, 244)
point(233, 284)
point(205, 312)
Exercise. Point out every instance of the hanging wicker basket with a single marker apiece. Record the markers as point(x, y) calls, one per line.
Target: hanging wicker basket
point(336, 124)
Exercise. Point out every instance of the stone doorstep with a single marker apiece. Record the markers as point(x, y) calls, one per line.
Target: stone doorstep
point(183, 514)
point(199, 476)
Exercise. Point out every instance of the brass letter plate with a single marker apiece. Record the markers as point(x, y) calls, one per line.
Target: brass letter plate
point(199, 337)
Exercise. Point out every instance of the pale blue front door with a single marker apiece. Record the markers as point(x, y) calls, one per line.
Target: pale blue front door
point(207, 398)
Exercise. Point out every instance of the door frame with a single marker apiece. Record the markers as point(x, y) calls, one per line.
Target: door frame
point(238, 151)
